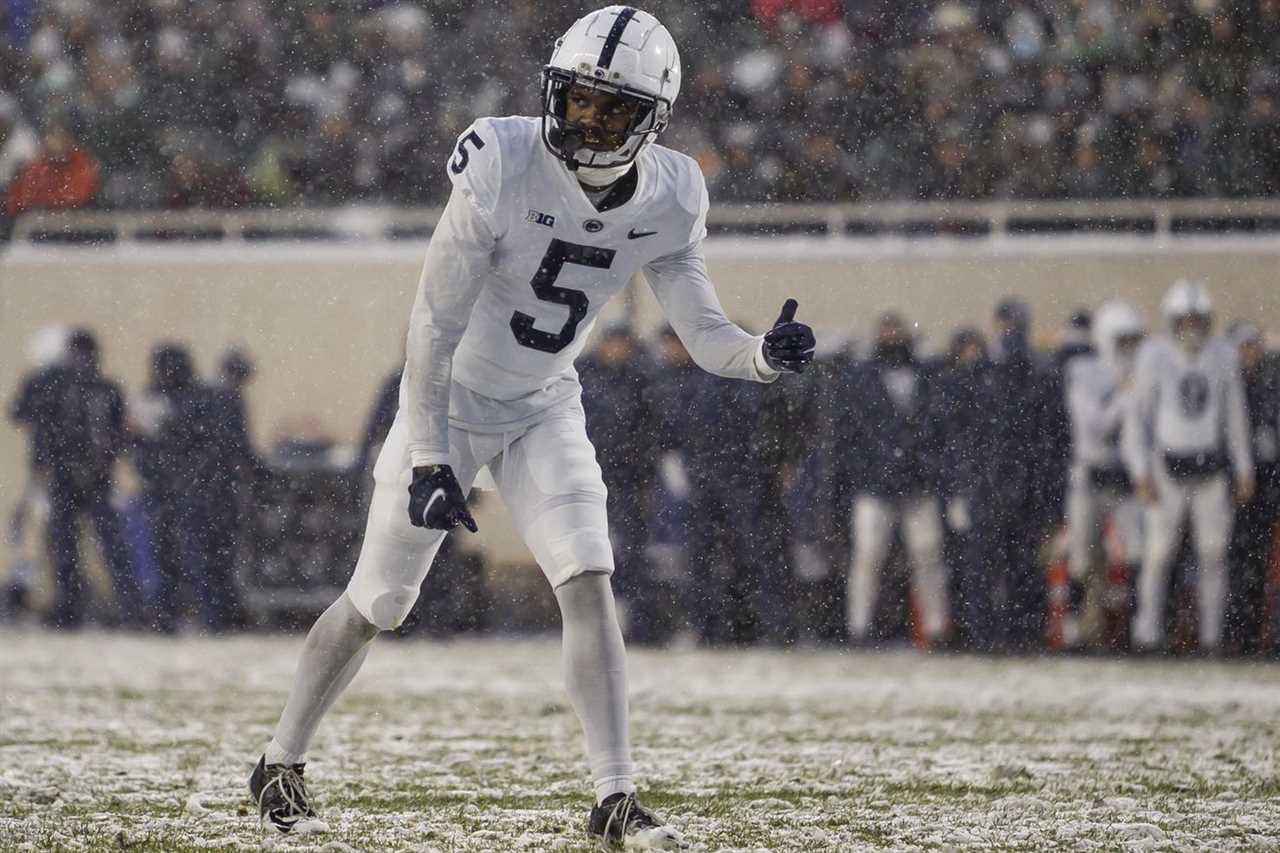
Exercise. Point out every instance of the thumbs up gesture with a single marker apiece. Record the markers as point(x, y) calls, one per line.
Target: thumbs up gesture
point(788, 346)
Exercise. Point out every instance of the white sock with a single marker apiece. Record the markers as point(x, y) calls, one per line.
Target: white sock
point(607, 787)
point(595, 677)
point(277, 754)
point(334, 649)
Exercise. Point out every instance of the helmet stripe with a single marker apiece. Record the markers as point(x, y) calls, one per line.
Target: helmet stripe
point(615, 36)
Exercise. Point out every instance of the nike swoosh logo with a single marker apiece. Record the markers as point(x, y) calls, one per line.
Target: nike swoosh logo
point(633, 234)
point(438, 494)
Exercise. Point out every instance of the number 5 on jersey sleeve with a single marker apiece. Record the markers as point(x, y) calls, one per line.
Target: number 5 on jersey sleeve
point(558, 254)
point(464, 156)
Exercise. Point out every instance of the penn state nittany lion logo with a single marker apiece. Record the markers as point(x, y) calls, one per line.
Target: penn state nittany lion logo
point(1193, 391)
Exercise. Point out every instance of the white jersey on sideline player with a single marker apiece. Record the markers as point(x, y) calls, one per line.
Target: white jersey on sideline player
point(1098, 389)
point(1186, 436)
point(548, 218)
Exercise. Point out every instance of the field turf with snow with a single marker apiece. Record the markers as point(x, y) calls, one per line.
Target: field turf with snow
point(129, 743)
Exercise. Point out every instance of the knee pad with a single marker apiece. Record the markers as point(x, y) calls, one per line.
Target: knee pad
point(388, 610)
point(579, 553)
point(583, 570)
point(386, 582)
point(588, 549)
point(569, 535)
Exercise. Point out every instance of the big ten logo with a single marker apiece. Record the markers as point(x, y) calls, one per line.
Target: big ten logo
point(540, 218)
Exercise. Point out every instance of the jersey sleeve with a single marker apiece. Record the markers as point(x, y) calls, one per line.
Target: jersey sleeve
point(688, 299)
point(475, 170)
point(700, 202)
point(452, 276)
point(1095, 415)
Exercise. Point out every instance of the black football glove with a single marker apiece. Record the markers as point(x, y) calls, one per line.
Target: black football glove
point(436, 500)
point(788, 346)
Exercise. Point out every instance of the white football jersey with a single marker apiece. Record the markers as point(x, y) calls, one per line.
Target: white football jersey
point(522, 263)
point(1187, 404)
point(1096, 404)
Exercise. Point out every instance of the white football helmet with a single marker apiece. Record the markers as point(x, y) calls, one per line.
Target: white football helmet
point(1113, 323)
point(1187, 299)
point(625, 52)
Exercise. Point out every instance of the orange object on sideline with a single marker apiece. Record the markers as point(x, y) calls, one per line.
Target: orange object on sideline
point(1057, 593)
point(54, 184)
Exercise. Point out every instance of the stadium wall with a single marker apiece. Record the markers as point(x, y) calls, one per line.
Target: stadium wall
point(326, 322)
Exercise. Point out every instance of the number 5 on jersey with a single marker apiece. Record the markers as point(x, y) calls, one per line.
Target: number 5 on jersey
point(464, 156)
point(558, 254)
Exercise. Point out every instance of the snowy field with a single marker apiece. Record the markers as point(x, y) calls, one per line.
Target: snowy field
point(111, 743)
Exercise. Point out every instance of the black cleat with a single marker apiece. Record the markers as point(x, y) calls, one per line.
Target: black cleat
point(621, 823)
point(282, 798)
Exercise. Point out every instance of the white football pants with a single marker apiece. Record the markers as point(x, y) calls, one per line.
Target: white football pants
point(1208, 501)
point(1088, 510)
point(874, 521)
point(549, 480)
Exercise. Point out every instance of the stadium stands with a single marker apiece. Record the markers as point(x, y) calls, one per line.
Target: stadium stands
point(193, 103)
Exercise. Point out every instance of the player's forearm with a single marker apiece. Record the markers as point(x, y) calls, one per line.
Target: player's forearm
point(715, 343)
point(427, 401)
point(726, 350)
point(1137, 438)
point(451, 279)
point(1135, 444)
point(1082, 411)
point(1111, 413)
point(428, 370)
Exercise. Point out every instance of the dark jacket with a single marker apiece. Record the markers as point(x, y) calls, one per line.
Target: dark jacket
point(1013, 408)
point(198, 445)
point(77, 423)
point(885, 450)
point(239, 463)
point(620, 421)
point(710, 420)
point(1262, 397)
point(959, 390)
point(1055, 430)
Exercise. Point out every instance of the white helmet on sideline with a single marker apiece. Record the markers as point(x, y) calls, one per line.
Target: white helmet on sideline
point(1187, 299)
point(1112, 324)
point(1189, 312)
point(626, 53)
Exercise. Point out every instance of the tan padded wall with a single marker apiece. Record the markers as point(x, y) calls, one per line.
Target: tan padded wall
point(326, 324)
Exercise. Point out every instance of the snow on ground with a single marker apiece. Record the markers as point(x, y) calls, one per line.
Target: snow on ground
point(111, 742)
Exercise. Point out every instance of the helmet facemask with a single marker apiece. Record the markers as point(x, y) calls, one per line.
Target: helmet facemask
point(1126, 350)
point(589, 147)
point(1191, 331)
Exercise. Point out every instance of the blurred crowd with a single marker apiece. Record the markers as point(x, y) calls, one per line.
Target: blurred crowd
point(990, 498)
point(1118, 491)
point(192, 523)
point(208, 104)
point(189, 445)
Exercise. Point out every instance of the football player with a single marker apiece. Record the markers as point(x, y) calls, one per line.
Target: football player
point(548, 218)
point(1185, 435)
point(1098, 391)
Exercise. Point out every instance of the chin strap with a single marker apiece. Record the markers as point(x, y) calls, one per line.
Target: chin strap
point(570, 142)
